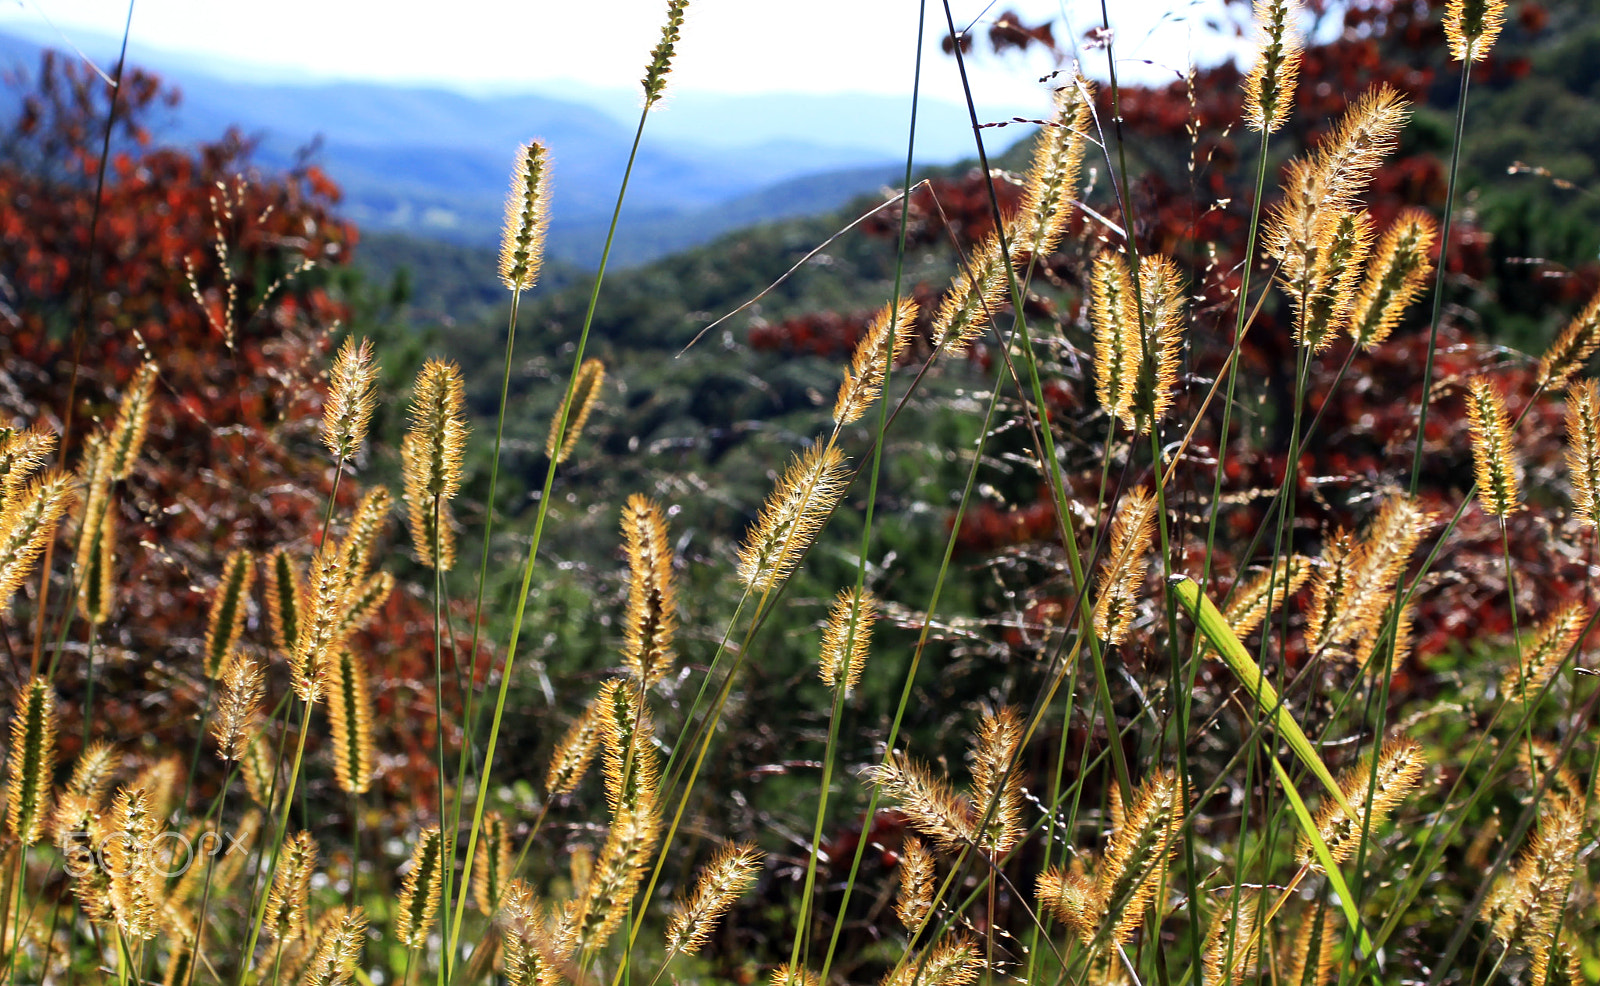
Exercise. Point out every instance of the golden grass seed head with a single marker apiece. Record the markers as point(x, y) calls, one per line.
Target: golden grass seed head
point(1122, 572)
point(427, 537)
point(572, 755)
point(1400, 766)
point(260, 769)
point(1367, 656)
point(527, 218)
point(32, 760)
point(1367, 574)
point(286, 603)
point(91, 772)
point(1136, 858)
point(1161, 289)
point(1396, 276)
point(225, 621)
point(22, 453)
point(96, 562)
point(1233, 940)
point(997, 782)
point(419, 894)
point(792, 517)
point(1330, 287)
point(493, 865)
point(652, 616)
point(954, 961)
point(350, 716)
point(1531, 904)
point(566, 425)
point(915, 899)
point(1583, 449)
point(611, 888)
point(1493, 453)
point(729, 875)
point(334, 963)
point(1571, 349)
point(366, 527)
point(880, 346)
point(655, 75)
point(1052, 179)
point(1552, 641)
point(929, 804)
point(1471, 27)
point(132, 422)
point(439, 423)
point(1265, 592)
point(321, 636)
point(133, 889)
point(1071, 896)
point(244, 684)
point(630, 762)
point(1269, 88)
point(27, 524)
point(976, 292)
point(1309, 957)
point(1541, 757)
point(364, 603)
point(348, 409)
point(523, 939)
point(847, 638)
point(1118, 351)
point(787, 975)
point(291, 889)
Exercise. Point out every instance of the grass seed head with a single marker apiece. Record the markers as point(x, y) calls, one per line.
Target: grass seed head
point(134, 888)
point(350, 716)
point(1471, 27)
point(1122, 572)
point(32, 760)
point(915, 898)
point(1136, 858)
point(880, 346)
point(286, 603)
point(1583, 450)
point(291, 889)
point(1269, 88)
point(1552, 641)
point(334, 962)
point(1571, 350)
point(997, 781)
point(572, 755)
point(847, 638)
point(348, 409)
point(493, 864)
point(1118, 349)
point(652, 616)
point(527, 217)
point(566, 426)
point(929, 804)
point(1052, 180)
point(724, 880)
point(131, 423)
point(22, 453)
point(655, 75)
point(1265, 592)
point(1233, 940)
point(420, 892)
point(27, 524)
point(225, 621)
point(792, 517)
point(1493, 453)
point(1396, 276)
point(238, 711)
point(1161, 291)
point(1399, 768)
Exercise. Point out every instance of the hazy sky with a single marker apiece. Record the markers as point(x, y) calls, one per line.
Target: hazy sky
point(728, 45)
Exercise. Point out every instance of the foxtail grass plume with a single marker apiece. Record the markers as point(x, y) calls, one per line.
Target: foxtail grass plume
point(652, 616)
point(350, 715)
point(655, 75)
point(1539, 758)
point(1233, 940)
point(915, 898)
point(627, 731)
point(1357, 579)
point(522, 942)
point(226, 619)
point(1397, 274)
point(431, 459)
point(1052, 180)
point(573, 754)
point(1264, 593)
point(1269, 88)
point(286, 602)
point(1070, 895)
point(334, 962)
point(527, 217)
point(134, 887)
point(27, 523)
point(321, 635)
point(724, 880)
point(566, 425)
point(238, 711)
point(996, 784)
point(1399, 768)
point(928, 803)
point(1327, 183)
point(366, 526)
point(1325, 297)
point(1136, 859)
point(1308, 958)
point(291, 889)
point(978, 291)
point(880, 346)
point(1544, 654)
point(91, 772)
point(1122, 571)
point(1471, 27)
point(32, 760)
point(260, 769)
point(1369, 659)
point(953, 961)
point(1161, 290)
point(1583, 450)
point(792, 517)
point(787, 975)
point(348, 409)
point(364, 601)
point(493, 865)
point(1572, 348)
point(1118, 350)
point(614, 882)
point(96, 533)
point(847, 638)
point(419, 894)
point(1493, 452)
point(1525, 910)
point(131, 423)
point(22, 453)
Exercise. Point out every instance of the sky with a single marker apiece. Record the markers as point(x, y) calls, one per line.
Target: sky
point(753, 46)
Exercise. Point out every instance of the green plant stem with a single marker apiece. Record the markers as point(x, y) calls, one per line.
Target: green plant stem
point(447, 839)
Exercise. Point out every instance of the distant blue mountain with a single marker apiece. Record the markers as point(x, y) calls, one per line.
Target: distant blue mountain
point(436, 163)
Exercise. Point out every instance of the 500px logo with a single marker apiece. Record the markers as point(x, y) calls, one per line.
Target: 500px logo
point(167, 854)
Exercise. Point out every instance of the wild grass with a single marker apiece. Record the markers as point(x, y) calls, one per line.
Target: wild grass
point(1204, 777)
